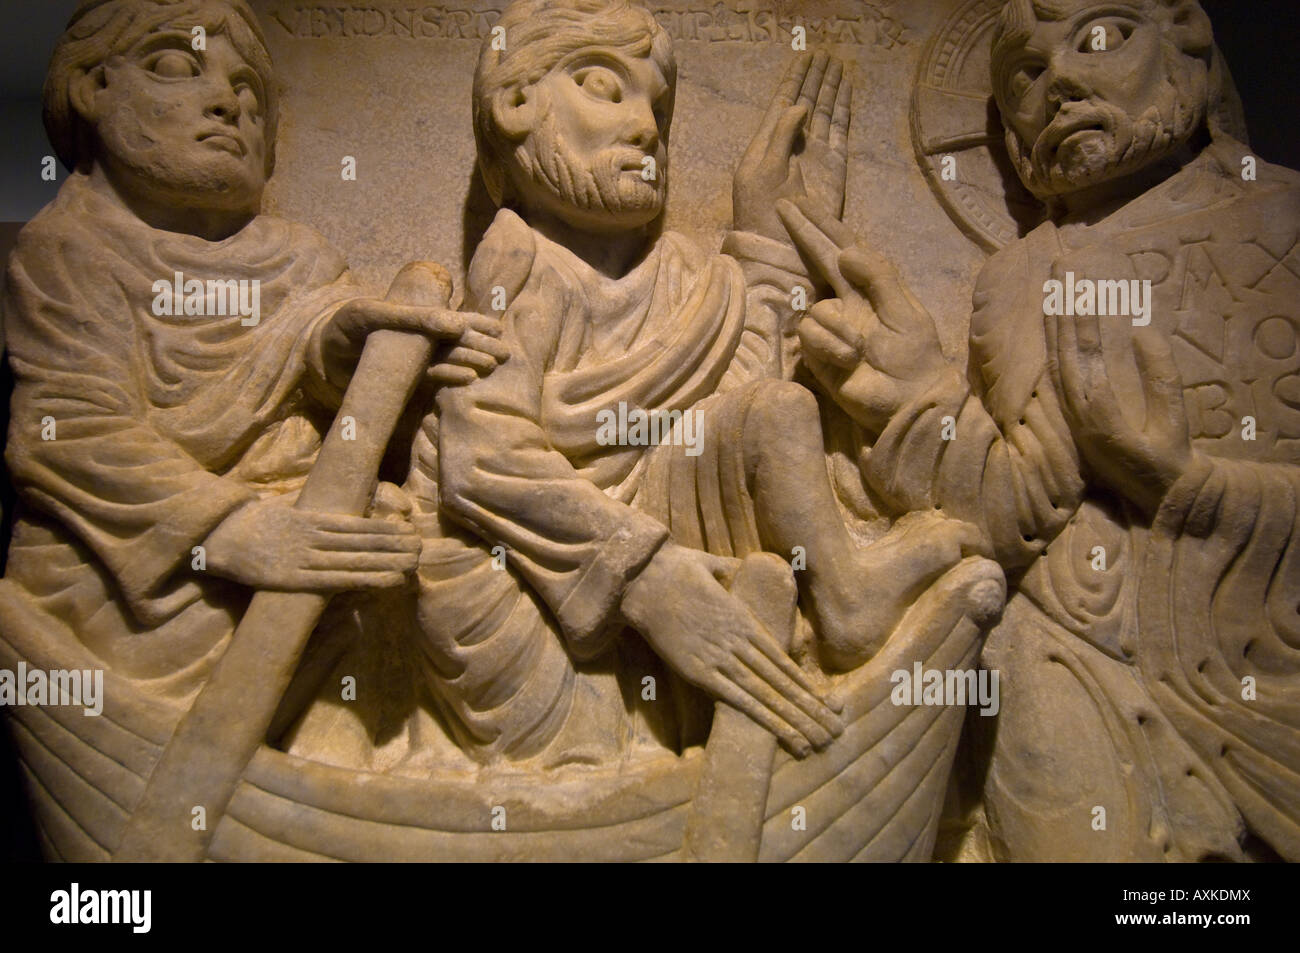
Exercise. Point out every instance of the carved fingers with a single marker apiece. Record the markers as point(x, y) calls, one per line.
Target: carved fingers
point(796, 716)
point(785, 97)
point(269, 545)
point(1078, 369)
point(800, 147)
point(821, 239)
point(477, 354)
point(476, 348)
point(842, 115)
point(832, 336)
point(343, 552)
point(875, 346)
point(710, 638)
point(1166, 408)
point(827, 96)
point(893, 301)
point(756, 676)
point(1141, 464)
point(451, 375)
point(813, 80)
point(821, 166)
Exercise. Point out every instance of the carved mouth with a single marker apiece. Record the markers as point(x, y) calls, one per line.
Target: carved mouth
point(1076, 123)
point(630, 161)
point(225, 141)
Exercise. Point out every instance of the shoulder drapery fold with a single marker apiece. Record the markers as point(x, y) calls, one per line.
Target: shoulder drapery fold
point(527, 470)
point(123, 420)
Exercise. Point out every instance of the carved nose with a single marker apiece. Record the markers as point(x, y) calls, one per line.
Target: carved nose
point(225, 106)
point(1063, 89)
point(645, 133)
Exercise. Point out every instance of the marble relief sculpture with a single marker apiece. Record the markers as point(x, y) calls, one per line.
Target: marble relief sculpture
point(1158, 447)
point(644, 550)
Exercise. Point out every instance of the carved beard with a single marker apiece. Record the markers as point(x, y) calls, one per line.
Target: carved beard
point(547, 159)
point(1050, 167)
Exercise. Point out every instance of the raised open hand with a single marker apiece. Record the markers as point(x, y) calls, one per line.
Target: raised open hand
point(873, 346)
point(801, 147)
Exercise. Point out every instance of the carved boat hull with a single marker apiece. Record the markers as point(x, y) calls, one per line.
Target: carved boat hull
point(873, 795)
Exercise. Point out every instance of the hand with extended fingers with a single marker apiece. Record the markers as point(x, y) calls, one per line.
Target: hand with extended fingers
point(801, 148)
point(679, 603)
point(1142, 463)
point(874, 346)
point(268, 544)
point(468, 345)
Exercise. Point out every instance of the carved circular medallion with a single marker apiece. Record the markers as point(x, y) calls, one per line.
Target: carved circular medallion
point(957, 132)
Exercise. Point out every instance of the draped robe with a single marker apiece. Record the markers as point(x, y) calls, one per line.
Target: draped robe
point(162, 426)
point(1126, 687)
point(532, 528)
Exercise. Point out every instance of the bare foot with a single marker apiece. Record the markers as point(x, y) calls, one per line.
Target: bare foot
point(856, 607)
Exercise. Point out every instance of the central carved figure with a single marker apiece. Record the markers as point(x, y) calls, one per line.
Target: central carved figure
point(553, 560)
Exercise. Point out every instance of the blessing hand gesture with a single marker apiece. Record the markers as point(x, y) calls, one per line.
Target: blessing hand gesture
point(801, 148)
point(874, 346)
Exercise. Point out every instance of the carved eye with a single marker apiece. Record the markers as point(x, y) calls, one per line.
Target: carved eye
point(249, 102)
point(173, 64)
point(1104, 35)
point(249, 93)
point(600, 83)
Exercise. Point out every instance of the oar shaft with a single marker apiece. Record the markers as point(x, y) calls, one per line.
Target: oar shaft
point(215, 740)
point(725, 820)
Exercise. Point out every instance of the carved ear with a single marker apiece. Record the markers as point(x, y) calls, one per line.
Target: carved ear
point(514, 111)
point(83, 93)
point(1190, 27)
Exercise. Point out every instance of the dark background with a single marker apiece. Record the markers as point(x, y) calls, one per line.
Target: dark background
point(1260, 40)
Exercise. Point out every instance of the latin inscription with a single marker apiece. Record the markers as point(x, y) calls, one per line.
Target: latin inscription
point(740, 21)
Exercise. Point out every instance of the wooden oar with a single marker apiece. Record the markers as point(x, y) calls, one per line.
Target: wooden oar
point(215, 740)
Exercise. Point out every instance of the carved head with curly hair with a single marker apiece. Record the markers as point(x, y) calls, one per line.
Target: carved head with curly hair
point(174, 99)
point(1094, 92)
point(573, 100)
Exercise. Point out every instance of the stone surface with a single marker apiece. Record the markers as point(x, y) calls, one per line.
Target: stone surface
point(671, 515)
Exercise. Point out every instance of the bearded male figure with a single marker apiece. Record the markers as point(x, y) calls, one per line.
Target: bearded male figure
point(1150, 659)
point(559, 572)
